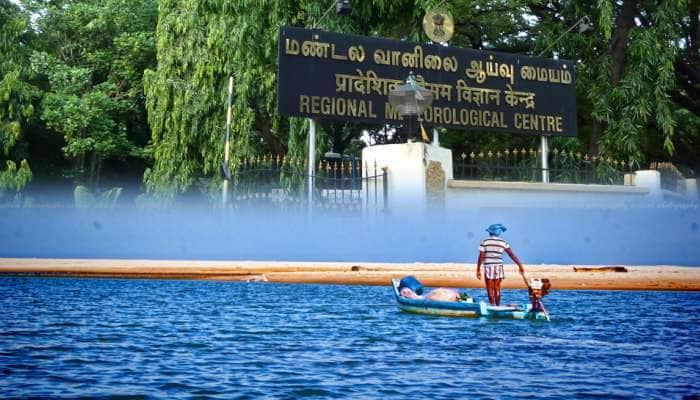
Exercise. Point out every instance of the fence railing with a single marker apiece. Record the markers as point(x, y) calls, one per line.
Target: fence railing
point(525, 166)
point(284, 182)
point(672, 178)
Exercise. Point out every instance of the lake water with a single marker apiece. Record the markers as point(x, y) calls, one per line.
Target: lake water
point(181, 339)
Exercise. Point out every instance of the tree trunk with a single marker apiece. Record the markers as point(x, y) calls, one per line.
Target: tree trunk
point(262, 123)
point(80, 167)
point(98, 171)
point(618, 52)
point(694, 29)
point(596, 134)
point(618, 45)
point(93, 168)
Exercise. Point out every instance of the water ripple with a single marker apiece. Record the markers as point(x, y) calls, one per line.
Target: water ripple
point(184, 339)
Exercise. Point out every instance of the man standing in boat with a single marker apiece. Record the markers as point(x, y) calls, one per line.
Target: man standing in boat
point(491, 256)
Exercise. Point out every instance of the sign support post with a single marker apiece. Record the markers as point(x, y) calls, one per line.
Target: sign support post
point(585, 25)
point(312, 160)
point(327, 75)
point(544, 147)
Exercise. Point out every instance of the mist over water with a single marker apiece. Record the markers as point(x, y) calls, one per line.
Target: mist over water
point(600, 235)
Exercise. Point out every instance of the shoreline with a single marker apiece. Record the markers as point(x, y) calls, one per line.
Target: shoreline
point(563, 277)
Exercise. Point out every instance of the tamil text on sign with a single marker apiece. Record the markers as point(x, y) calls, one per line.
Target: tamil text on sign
point(330, 75)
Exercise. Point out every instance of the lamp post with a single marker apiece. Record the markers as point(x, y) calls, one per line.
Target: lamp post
point(410, 99)
point(342, 7)
point(584, 24)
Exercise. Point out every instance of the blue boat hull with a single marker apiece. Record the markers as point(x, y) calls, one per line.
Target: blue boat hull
point(464, 309)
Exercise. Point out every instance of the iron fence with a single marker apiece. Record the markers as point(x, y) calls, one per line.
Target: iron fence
point(282, 181)
point(525, 166)
point(672, 179)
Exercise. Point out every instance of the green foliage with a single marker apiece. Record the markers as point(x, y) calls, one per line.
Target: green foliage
point(77, 71)
point(605, 17)
point(625, 75)
point(91, 55)
point(642, 96)
point(81, 111)
point(13, 179)
point(200, 45)
point(16, 95)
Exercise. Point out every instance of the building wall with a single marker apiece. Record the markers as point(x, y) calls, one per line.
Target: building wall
point(420, 177)
point(466, 194)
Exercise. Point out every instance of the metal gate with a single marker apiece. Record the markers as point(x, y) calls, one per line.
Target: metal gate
point(283, 182)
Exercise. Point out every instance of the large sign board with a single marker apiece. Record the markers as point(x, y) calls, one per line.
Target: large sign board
point(326, 75)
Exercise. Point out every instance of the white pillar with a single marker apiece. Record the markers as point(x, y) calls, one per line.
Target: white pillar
point(691, 189)
point(407, 167)
point(650, 179)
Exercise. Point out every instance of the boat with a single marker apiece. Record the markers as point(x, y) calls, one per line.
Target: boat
point(467, 308)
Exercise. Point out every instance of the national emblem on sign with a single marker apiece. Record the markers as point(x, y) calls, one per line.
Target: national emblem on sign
point(438, 25)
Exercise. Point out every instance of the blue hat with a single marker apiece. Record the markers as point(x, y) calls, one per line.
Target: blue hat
point(496, 229)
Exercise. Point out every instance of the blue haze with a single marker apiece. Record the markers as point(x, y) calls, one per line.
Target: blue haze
point(99, 338)
point(639, 236)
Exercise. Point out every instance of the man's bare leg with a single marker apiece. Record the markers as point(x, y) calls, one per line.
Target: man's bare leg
point(489, 290)
point(497, 291)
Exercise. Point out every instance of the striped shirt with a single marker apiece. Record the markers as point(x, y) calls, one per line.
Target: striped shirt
point(493, 248)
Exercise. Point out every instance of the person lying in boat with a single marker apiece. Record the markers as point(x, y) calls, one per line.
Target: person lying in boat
point(491, 256)
point(411, 288)
point(538, 289)
point(439, 294)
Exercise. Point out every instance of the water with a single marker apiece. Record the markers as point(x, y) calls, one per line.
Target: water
point(182, 339)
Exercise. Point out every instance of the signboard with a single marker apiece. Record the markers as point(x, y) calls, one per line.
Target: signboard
point(326, 75)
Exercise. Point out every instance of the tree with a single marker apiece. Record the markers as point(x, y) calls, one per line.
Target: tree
point(626, 75)
point(16, 95)
point(687, 65)
point(91, 55)
point(201, 44)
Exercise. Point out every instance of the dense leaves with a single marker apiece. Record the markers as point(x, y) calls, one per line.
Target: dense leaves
point(107, 77)
point(90, 56)
point(16, 95)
